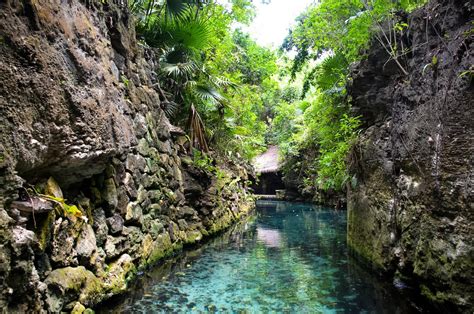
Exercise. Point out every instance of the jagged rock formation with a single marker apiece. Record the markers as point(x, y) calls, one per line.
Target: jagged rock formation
point(78, 103)
point(411, 205)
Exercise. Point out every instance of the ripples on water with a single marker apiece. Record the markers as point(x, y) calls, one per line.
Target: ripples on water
point(292, 258)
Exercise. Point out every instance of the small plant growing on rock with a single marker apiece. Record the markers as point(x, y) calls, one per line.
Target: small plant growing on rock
point(203, 161)
point(53, 194)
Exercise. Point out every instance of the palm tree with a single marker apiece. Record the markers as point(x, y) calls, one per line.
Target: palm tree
point(180, 33)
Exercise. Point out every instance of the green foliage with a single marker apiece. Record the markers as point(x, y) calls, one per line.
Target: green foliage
point(345, 26)
point(328, 37)
point(125, 80)
point(213, 77)
point(203, 161)
point(243, 11)
point(187, 32)
point(62, 208)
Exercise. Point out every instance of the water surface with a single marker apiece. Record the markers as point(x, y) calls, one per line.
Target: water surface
point(292, 258)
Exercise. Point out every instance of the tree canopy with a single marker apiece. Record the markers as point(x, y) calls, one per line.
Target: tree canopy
point(235, 96)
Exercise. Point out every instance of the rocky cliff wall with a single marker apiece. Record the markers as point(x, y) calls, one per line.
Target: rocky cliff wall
point(80, 120)
point(411, 205)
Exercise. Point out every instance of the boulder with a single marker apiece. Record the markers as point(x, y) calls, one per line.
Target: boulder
point(119, 271)
point(100, 226)
point(115, 224)
point(86, 243)
point(63, 241)
point(134, 214)
point(114, 246)
point(70, 284)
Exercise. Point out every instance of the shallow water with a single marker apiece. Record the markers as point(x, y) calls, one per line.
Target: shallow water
point(292, 258)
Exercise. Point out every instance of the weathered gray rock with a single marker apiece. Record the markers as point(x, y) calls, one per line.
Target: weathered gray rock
point(183, 225)
point(143, 147)
point(115, 224)
point(156, 228)
point(164, 147)
point(186, 212)
point(118, 273)
point(100, 226)
point(155, 195)
point(140, 125)
point(86, 243)
point(410, 207)
point(151, 181)
point(129, 185)
point(134, 163)
point(22, 238)
point(109, 193)
point(141, 194)
point(115, 246)
point(62, 245)
point(70, 284)
point(134, 213)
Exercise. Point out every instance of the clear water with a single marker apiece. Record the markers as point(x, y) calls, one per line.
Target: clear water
point(292, 258)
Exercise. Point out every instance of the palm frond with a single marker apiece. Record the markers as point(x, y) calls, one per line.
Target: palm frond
point(176, 8)
point(187, 31)
point(331, 72)
point(179, 71)
point(170, 108)
point(208, 93)
point(222, 82)
point(197, 132)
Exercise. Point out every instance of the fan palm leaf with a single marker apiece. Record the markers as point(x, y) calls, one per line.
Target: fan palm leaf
point(208, 93)
point(179, 71)
point(170, 108)
point(188, 31)
point(331, 72)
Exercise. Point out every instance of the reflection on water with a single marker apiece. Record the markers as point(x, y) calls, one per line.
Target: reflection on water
point(269, 237)
point(293, 258)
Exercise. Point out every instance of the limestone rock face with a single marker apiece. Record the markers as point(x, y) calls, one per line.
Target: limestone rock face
point(410, 204)
point(69, 284)
point(61, 108)
point(79, 103)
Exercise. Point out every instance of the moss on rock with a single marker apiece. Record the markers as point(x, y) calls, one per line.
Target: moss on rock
point(72, 284)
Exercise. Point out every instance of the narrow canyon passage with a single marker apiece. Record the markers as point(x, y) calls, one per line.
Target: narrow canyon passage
point(287, 257)
point(137, 137)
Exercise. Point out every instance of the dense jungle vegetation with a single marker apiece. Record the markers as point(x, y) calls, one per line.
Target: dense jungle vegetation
point(235, 97)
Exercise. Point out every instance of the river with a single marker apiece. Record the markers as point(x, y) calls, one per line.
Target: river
point(289, 258)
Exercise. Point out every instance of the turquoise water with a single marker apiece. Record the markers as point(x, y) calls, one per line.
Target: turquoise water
point(292, 258)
